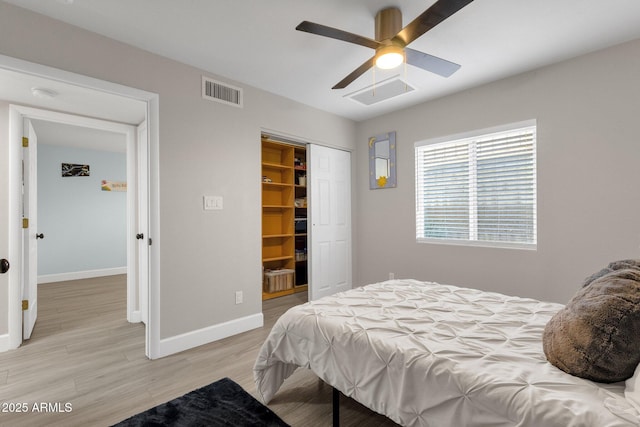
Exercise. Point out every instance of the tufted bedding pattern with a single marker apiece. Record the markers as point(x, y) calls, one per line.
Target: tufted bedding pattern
point(426, 354)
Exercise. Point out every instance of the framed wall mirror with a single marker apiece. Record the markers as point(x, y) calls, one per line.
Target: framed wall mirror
point(382, 161)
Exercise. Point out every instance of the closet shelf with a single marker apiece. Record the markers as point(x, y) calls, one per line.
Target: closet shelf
point(277, 207)
point(275, 165)
point(276, 184)
point(277, 258)
point(275, 236)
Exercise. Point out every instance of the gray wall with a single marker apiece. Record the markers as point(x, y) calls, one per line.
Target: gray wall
point(205, 148)
point(84, 227)
point(587, 112)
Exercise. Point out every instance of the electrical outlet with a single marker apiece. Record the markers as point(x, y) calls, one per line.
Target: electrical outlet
point(238, 297)
point(392, 276)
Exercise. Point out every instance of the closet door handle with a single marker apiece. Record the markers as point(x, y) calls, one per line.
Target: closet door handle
point(139, 236)
point(40, 236)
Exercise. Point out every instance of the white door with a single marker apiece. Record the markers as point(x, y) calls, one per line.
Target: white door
point(30, 233)
point(142, 203)
point(330, 218)
point(9, 262)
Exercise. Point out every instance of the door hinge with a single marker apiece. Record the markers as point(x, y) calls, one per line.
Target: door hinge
point(25, 222)
point(150, 241)
point(25, 141)
point(25, 304)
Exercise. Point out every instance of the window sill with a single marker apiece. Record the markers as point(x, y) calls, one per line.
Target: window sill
point(478, 243)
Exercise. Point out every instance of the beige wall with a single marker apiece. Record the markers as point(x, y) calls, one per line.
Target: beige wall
point(587, 111)
point(205, 148)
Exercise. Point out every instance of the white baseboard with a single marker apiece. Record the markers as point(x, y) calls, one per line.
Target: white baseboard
point(136, 317)
point(178, 343)
point(76, 275)
point(4, 343)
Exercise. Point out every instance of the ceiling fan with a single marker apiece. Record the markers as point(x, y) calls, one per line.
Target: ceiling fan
point(391, 40)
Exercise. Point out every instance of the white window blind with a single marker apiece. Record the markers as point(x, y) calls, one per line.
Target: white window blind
point(478, 190)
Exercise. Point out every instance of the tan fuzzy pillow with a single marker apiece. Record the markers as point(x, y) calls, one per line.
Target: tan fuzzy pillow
point(597, 334)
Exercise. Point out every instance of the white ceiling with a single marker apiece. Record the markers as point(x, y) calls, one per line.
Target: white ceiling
point(18, 88)
point(53, 133)
point(255, 42)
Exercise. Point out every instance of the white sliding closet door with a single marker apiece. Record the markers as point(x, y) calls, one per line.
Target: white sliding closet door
point(330, 219)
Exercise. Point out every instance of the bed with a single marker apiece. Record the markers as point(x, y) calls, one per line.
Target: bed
point(427, 354)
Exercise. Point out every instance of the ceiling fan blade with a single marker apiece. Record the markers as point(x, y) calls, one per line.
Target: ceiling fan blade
point(355, 74)
point(334, 33)
point(430, 63)
point(438, 12)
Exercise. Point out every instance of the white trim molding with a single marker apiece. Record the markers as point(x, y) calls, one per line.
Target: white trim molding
point(4, 343)
point(77, 275)
point(209, 334)
point(136, 317)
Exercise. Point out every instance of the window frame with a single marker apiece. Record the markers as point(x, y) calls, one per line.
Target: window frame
point(467, 138)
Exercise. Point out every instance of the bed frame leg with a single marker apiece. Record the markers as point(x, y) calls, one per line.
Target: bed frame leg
point(336, 407)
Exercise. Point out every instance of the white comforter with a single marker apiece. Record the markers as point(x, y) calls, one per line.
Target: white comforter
point(426, 354)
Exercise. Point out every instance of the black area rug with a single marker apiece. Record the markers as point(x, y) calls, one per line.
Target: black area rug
point(223, 403)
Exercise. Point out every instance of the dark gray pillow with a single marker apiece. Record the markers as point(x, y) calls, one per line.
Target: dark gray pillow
point(596, 335)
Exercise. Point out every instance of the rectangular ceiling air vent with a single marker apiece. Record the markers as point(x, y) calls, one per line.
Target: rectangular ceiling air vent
point(381, 91)
point(214, 90)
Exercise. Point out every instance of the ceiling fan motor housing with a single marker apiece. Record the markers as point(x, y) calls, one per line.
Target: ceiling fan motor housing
point(390, 53)
point(388, 23)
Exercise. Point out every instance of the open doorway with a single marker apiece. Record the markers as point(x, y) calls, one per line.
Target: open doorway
point(106, 101)
point(93, 231)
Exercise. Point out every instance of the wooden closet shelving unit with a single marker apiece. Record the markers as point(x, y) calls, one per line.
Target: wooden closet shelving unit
point(280, 189)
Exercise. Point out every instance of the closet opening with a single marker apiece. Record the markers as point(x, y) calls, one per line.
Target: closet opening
point(285, 242)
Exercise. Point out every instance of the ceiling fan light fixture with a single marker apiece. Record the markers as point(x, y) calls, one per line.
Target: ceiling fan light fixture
point(392, 40)
point(388, 57)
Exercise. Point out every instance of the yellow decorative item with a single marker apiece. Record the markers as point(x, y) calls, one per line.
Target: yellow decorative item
point(113, 185)
point(382, 161)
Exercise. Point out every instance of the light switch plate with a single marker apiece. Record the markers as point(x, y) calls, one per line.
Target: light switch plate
point(212, 203)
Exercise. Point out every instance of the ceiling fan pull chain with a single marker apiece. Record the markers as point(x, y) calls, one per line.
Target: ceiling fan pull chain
point(406, 85)
point(373, 90)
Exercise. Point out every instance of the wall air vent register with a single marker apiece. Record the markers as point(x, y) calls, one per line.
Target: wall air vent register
point(225, 93)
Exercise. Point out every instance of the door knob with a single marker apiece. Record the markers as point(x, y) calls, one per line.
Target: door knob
point(139, 236)
point(40, 236)
point(4, 266)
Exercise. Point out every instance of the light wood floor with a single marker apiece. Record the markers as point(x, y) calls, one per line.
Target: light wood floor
point(84, 352)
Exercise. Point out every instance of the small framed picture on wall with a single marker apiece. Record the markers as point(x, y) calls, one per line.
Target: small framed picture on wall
point(71, 169)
